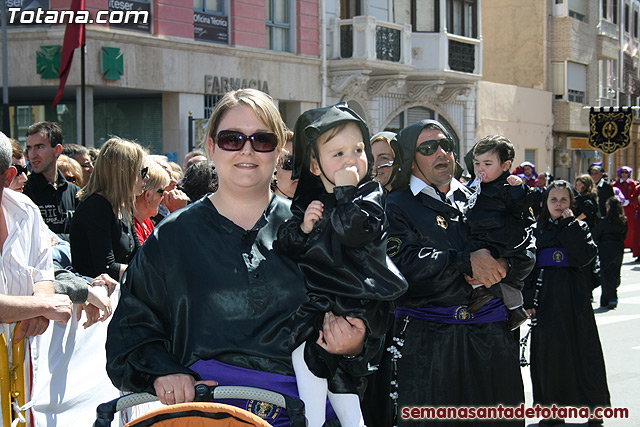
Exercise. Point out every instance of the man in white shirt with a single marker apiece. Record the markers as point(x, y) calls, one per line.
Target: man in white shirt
point(26, 272)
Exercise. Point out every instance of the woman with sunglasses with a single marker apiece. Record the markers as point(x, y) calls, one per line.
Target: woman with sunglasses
point(385, 170)
point(70, 169)
point(148, 202)
point(283, 185)
point(207, 298)
point(18, 162)
point(103, 237)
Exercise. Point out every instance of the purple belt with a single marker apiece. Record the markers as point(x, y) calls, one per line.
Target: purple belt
point(493, 311)
point(552, 257)
point(226, 374)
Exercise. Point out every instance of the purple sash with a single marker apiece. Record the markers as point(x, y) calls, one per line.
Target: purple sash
point(226, 374)
point(552, 257)
point(493, 311)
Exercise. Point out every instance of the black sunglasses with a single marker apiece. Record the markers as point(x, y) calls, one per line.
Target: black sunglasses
point(286, 163)
point(261, 142)
point(21, 169)
point(71, 179)
point(427, 148)
point(160, 191)
point(145, 172)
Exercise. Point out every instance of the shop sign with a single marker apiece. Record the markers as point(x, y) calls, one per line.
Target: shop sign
point(219, 85)
point(137, 22)
point(211, 28)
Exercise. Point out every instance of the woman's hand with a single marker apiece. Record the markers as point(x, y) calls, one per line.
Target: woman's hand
point(105, 280)
point(177, 388)
point(312, 215)
point(567, 213)
point(531, 312)
point(343, 336)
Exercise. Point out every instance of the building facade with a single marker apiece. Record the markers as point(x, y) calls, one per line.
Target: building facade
point(583, 53)
point(144, 81)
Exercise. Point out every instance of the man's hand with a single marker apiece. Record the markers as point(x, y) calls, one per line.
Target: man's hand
point(31, 327)
point(486, 269)
point(312, 215)
point(175, 199)
point(344, 336)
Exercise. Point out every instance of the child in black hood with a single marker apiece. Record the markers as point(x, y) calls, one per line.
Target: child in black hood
point(337, 235)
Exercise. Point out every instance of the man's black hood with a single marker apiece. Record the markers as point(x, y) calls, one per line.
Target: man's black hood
point(407, 139)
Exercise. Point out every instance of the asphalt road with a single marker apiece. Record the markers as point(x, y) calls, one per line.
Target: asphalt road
point(620, 336)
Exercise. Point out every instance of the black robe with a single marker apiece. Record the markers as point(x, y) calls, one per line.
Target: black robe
point(446, 364)
point(610, 236)
point(347, 271)
point(567, 365)
point(202, 287)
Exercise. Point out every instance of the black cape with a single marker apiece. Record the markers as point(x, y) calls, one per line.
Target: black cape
point(567, 365)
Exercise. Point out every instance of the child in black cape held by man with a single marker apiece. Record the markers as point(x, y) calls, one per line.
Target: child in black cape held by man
point(337, 235)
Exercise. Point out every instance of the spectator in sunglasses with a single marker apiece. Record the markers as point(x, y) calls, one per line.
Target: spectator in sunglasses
point(385, 170)
point(148, 201)
point(429, 242)
point(81, 155)
point(214, 261)
point(103, 237)
point(71, 170)
point(19, 163)
point(283, 185)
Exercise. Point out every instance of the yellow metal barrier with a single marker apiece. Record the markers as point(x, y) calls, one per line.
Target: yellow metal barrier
point(5, 383)
point(18, 385)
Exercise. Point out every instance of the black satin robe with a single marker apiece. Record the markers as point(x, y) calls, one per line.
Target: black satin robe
point(567, 365)
point(202, 287)
point(346, 269)
point(446, 364)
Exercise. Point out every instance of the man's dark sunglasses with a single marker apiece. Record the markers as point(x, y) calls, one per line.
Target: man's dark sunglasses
point(21, 169)
point(286, 163)
point(261, 142)
point(427, 148)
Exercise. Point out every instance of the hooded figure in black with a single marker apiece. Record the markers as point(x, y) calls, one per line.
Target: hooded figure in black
point(337, 236)
point(448, 357)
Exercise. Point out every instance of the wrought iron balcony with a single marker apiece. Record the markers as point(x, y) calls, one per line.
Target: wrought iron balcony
point(364, 37)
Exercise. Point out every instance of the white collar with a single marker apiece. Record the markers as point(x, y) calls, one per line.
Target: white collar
point(417, 185)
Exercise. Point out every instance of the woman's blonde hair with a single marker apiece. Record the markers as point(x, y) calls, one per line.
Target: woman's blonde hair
point(261, 104)
point(158, 177)
point(115, 174)
point(67, 164)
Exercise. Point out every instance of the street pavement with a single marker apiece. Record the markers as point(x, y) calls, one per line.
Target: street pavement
point(620, 336)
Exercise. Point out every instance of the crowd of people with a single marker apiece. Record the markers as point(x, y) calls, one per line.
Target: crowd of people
point(356, 272)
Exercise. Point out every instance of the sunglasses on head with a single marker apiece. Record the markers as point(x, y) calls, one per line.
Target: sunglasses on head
point(145, 172)
point(261, 142)
point(427, 148)
point(160, 191)
point(21, 169)
point(286, 163)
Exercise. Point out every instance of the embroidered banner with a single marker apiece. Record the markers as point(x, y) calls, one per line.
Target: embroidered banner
point(609, 130)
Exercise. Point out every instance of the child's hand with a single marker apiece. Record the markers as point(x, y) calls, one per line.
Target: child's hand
point(514, 180)
point(312, 215)
point(346, 176)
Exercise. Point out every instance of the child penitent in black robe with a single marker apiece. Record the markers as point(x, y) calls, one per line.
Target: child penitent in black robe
point(567, 364)
point(343, 259)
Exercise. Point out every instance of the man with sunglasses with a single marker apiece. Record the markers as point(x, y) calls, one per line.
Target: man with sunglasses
point(46, 186)
point(444, 356)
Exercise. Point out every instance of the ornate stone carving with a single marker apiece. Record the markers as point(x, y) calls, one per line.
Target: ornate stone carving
point(450, 91)
point(380, 85)
point(349, 85)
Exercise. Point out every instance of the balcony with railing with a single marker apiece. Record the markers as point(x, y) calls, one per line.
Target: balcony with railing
point(363, 38)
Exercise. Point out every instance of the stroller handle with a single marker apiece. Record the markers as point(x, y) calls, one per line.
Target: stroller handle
point(205, 393)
